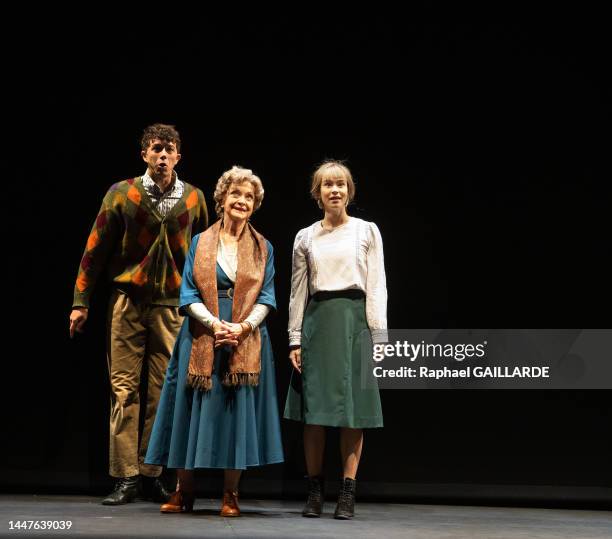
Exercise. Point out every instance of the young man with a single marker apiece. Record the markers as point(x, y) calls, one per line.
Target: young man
point(141, 236)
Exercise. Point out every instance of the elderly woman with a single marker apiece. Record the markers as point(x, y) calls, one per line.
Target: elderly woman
point(218, 406)
point(338, 261)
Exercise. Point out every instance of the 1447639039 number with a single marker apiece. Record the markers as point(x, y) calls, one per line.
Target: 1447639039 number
point(40, 524)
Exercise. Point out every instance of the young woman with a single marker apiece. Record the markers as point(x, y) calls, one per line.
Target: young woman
point(338, 262)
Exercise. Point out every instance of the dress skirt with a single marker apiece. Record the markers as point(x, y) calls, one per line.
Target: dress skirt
point(225, 427)
point(330, 391)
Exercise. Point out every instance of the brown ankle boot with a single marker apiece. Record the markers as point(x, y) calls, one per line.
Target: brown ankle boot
point(230, 504)
point(179, 502)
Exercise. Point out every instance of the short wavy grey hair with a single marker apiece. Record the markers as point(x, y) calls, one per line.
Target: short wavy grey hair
point(237, 175)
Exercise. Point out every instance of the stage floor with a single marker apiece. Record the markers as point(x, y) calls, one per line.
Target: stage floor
point(273, 518)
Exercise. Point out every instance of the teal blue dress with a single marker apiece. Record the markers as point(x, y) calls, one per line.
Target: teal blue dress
point(226, 427)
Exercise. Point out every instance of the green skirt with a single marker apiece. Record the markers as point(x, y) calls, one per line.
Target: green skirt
point(330, 390)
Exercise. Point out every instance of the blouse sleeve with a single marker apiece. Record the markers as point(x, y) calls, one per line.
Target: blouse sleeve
point(189, 292)
point(257, 315)
point(299, 289)
point(376, 287)
point(201, 314)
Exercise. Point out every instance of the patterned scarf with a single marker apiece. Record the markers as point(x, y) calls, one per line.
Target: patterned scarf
point(245, 361)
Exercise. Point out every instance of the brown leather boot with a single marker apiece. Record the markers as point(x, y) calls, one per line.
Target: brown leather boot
point(230, 504)
point(179, 502)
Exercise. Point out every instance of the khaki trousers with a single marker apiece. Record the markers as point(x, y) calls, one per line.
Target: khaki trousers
point(137, 334)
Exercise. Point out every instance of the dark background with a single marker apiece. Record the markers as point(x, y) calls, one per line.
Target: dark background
point(480, 150)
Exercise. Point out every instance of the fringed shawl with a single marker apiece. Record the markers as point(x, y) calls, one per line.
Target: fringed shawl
point(245, 361)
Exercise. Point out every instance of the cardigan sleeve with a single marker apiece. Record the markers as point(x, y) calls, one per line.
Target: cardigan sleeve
point(200, 223)
point(100, 244)
point(299, 289)
point(189, 292)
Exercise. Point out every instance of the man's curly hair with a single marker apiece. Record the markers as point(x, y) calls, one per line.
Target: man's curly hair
point(167, 133)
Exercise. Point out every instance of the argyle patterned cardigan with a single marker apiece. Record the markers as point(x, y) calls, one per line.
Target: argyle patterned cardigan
point(143, 251)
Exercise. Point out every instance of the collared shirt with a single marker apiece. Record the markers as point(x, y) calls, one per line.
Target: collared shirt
point(163, 201)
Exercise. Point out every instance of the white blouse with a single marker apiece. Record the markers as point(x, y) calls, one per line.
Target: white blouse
point(347, 257)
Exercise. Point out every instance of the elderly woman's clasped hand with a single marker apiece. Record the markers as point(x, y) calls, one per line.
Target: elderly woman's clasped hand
point(230, 333)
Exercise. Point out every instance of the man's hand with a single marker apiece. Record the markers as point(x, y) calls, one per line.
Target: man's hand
point(78, 317)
